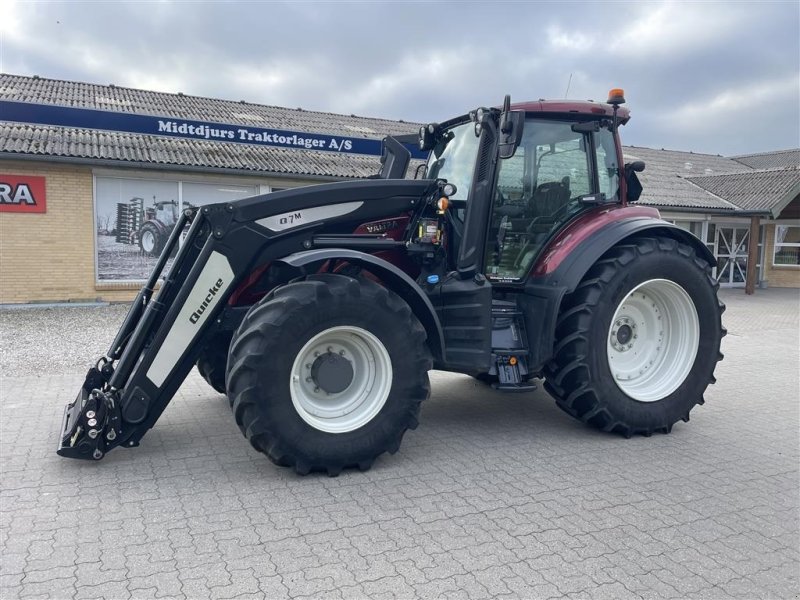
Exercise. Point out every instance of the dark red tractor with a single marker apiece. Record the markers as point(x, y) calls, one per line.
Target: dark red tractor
point(159, 219)
point(519, 255)
point(149, 227)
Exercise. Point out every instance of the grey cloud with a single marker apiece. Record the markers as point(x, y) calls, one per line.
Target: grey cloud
point(428, 61)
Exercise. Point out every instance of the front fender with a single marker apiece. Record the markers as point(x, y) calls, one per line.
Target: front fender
point(394, 279)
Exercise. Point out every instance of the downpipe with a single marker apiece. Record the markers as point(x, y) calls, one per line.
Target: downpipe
point(92, 423)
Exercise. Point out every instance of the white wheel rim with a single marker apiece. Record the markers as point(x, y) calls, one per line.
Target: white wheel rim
point(148, 240)
point(363, 398)
point(653, 340)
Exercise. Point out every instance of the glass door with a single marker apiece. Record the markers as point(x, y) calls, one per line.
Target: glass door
point(732, 243)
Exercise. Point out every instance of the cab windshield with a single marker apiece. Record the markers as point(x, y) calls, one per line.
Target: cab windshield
point(453, 158)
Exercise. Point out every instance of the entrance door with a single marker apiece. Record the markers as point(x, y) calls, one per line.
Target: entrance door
point(731, 245)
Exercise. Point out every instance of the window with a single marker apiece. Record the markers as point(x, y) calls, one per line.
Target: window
point(787, 246)
point(453, 158)
point(693, 227)
point(198, 194)
point(607, 164)
point(134, 218)
point(538, 190)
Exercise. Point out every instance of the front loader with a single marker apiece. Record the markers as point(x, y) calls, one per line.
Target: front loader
point(520, 254)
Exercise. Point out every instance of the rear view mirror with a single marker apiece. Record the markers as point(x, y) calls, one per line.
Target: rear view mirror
point(394, 159)
point(512, 123)
point(632, 181)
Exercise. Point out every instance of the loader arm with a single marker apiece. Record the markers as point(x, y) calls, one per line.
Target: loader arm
point(162, 335)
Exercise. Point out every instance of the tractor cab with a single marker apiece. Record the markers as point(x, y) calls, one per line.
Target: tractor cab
point(557, 161)
point(165, 212)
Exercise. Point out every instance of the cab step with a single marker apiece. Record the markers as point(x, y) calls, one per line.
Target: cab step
point(519, 388)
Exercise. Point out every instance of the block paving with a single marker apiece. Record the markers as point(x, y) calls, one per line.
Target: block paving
point(493, 496)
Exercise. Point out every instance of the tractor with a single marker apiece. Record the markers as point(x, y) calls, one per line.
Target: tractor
point(159, 220)
point(519, 254)
point(148, 227)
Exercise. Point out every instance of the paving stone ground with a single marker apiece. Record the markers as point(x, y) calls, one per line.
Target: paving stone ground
point(500, 496)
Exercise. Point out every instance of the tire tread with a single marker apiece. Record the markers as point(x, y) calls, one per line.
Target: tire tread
point(570, 384)
point(269, 315)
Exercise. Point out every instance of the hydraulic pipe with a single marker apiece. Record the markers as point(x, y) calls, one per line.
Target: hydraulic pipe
point(144, 295)
point(142, 327)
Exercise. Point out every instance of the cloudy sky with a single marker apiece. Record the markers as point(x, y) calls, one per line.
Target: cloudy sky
point(718, 77)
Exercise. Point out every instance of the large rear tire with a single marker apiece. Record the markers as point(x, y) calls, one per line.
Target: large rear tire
point(213, 360)
point(151, 242)
point(328, 373)
point(639, 338)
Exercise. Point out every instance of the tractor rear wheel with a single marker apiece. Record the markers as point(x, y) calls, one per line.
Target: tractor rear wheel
point(638, 339)
point(213, 359)
point(151, 241)
point(328, 373)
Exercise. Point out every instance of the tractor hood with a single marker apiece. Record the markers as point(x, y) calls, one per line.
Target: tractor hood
point(366, 191)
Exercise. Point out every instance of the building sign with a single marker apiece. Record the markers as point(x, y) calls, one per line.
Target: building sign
point(66, 116)
point(22, 193)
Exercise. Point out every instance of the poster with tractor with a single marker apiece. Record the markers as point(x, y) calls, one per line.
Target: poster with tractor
point(146, 227)
point(134, 218)
point(130, 237)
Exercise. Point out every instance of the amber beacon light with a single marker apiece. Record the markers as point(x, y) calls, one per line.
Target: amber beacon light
point(616, 96)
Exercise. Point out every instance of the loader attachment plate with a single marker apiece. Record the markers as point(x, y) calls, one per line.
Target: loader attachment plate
point(70, 429)
point(91, 425)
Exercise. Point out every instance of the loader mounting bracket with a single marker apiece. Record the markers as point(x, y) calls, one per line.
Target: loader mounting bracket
point(92, 424)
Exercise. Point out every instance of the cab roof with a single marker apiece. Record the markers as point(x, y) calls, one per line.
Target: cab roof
point(583, 107)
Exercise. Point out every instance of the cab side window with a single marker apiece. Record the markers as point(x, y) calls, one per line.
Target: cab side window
point(538, 190)
point(607, 164)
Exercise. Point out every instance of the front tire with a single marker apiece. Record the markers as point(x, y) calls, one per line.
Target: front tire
point(213, 360)
point(328, 373)
point(638, 339)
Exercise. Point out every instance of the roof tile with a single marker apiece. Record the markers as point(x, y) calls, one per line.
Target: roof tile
point(779, 159)
point(769, 190)
point(672, 178)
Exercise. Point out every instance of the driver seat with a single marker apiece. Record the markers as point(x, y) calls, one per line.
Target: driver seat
point(549, 198)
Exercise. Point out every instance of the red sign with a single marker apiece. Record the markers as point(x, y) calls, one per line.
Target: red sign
point(22, 193)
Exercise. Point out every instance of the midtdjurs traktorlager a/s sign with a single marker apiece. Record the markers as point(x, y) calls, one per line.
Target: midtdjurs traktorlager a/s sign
point(22, 193)
point(85, 118)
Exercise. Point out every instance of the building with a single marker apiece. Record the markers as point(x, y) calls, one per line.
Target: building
point(86, 169)
point(104, 158)
point(729, 202)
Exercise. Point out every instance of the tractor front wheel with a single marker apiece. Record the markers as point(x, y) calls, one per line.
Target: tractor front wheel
point(213, 360)
point(639, 338)
point(328, 373)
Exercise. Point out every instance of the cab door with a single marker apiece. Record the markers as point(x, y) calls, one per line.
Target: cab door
point(542, 187)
